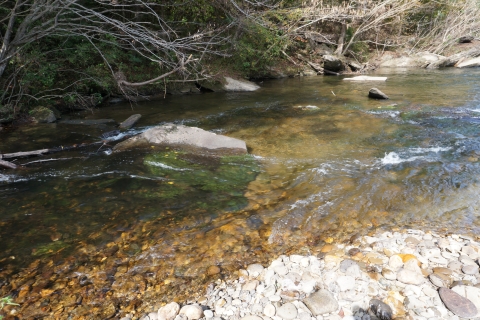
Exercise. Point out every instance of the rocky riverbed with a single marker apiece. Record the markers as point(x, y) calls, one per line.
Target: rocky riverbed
point(392, 275)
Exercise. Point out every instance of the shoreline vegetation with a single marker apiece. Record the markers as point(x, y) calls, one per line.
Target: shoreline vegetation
point(84, 55)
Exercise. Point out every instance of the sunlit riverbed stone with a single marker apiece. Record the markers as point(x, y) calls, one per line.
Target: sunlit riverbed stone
point(333, 286)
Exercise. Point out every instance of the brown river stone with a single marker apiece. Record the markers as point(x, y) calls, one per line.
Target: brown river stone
point(459, 305)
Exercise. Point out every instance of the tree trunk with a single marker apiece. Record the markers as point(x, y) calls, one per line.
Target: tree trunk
point(341, 39)
point(6, 40)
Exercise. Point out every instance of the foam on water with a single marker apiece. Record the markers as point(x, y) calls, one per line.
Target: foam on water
point(164, 166)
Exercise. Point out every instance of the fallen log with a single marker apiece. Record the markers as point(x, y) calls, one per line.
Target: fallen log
point(8, 165)
point(41, 152)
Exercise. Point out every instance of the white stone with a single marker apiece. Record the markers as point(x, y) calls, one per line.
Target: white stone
point(208, 314)
point(346, 283)
point(168, 311)
point(305, 262)
point(366, 78)
point(269, 310)
point(287, 311)
point(193, 312)
point(410, 277)
point(239, 85)
point(395, 263)
point(153, 316)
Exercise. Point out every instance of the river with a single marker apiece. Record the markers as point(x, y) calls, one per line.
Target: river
point(98, 234)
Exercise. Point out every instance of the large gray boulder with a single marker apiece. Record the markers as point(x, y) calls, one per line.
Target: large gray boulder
point(332, 63)
point(43, 115)
point(183, 136)
point(418, 60)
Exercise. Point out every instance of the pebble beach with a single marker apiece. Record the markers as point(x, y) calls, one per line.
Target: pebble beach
point(392, 275)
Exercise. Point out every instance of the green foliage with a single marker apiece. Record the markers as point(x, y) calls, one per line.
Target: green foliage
point(257, 48)
point(6, 301)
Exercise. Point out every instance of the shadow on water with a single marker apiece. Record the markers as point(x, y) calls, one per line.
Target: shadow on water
point(96, 231)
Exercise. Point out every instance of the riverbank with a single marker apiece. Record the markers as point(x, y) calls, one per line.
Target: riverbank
point(409, 274)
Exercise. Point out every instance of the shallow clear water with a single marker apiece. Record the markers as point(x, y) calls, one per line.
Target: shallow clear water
point(328, 162)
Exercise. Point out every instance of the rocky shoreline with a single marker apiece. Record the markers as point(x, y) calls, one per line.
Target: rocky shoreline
point(392, 275)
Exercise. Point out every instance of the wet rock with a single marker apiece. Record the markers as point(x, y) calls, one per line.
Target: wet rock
point(381, 309)
point(375, 93)
point(287, 311)
point(192, 312)
point(213, 270)
point(183, 136)
point(169, 311)
point(459, 305)
point(321, 302)
point(130, 122)
point(108, 311)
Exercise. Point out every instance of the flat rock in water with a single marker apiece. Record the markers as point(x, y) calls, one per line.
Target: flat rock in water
point(239, 85)
point(377, 94)
point(459, 305)
point(127, 124)
point(321, 302)
point(366, 78)
point(469, 63)
point(183, 136)
point(381, 309)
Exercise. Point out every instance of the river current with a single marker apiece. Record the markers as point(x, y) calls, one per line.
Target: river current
point(144, 226)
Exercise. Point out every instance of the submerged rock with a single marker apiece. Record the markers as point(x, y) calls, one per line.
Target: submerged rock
point(130, 121)
point(377, 94)
point(183, 136)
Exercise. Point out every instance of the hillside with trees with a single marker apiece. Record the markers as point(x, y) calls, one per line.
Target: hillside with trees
point(78, 53)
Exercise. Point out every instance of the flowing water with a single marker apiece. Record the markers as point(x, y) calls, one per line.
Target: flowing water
point(102, 233)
